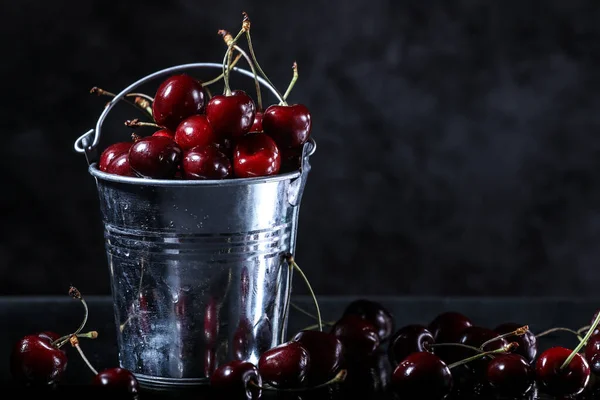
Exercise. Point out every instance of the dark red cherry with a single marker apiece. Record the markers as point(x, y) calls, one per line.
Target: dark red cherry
point(211, 322)
point(205, 162)
point(231, 116)
point(592, 353)
point(423, 375)
point(291, 160)
point(243, 339)
point(111, 152)
point(120, 166)
point(289, 126)
point(155, 157)
point(558, 382)
point(476, 336)
point(165, 133)
point(325, 351)
point(256, 154)
point(527, 342)
point(407, 340)
point(49, 335)
point(510, 375)
point(375, 313)
point(35, 361)
point(448, 326)
point(257, 124)
point(194, 131)
point(597, 329)
point(237, 378)
point(117, 380)
point(285, 366)
point(225, 146)
point(177, 98)
point(358, 336)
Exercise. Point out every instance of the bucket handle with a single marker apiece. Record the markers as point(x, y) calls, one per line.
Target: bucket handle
point(88, 142)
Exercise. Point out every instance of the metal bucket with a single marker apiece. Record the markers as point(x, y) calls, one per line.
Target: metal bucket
point(198, 276)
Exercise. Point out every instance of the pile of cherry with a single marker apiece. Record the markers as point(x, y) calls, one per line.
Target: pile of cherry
point(434, 361)
point(200, 136)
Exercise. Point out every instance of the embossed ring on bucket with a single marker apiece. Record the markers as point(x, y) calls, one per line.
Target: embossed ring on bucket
point(197, 271)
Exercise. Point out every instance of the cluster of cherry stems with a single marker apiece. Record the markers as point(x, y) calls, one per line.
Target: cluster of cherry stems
point(198, 136)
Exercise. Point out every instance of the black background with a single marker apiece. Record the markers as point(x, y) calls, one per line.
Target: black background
point(458, 141)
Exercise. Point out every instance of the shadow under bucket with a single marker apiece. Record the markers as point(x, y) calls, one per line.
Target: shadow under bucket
point(197, 271)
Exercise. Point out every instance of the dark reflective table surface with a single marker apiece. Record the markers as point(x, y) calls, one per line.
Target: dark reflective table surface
point(24, 315)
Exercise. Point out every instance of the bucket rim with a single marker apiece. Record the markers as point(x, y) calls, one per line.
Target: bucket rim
point(139, 181)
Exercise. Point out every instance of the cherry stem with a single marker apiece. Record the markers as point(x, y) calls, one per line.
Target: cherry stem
point(338, 378)
point(466, 346)
point(583, 329)
point(309, 314)
point(583, 342)
point(505, 349)
point(293, 81)
point(517, 332)
point(137, 123)
point(256, 82)
point(560, 329)
point(231, 41)
point(246, 28)
point(76, 294)
point(137, 103)
point(75, 343)
point(218, 78)
point(292, 262)
point(61, 341)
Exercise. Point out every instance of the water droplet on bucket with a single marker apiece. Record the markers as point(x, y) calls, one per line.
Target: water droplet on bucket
point(171, 224)
point(125, 206)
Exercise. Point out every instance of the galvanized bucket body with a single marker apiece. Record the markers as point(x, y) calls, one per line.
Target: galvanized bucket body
point(197, 268)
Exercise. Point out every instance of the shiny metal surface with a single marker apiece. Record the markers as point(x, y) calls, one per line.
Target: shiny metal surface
point(197, 269)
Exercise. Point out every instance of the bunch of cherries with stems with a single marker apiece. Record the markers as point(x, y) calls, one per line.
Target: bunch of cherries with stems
point(39, 360)
point(201, 136)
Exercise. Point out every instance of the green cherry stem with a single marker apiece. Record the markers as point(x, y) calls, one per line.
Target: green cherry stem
point(292, 263)
point(338, 378)
point(309, 314)
point(292, 83)
point(465, 346)
point(218, 78)
point(75, 343)
point(517, 332)
point(583, 342)
point(61, 341)
point(583, 329)
point(135, 123)
point(560, 329)
point(246, 28)
point(76, 294)
point(228, 56)
point(505, 349)
point(141, 101)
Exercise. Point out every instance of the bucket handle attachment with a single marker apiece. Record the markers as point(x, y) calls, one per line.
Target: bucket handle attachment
point(88, 142)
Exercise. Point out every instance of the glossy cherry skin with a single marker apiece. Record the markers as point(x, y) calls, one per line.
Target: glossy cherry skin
point(597, 329)
point(510, 375)
point(592, 353)
point(120, 166)
point(211, 323)
point(256, 154)
point(289, 126)
point(205, 162)
point(376, 314)
point(34, 361)
point(448, 326)
point(231, 116)
point(358, 336)
point(165, 133)
point(325, 351)
point(257, 124)
point(194, 131)
point(407, 340)
point(111, 152)
point(242, 339)
point(475, 336)
point(155, 157)
point(527, 342)
point(285, 366)
point(569, 381)
point(119, 380)
point(423, 375)
point(234, 379)
point(177, 98)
